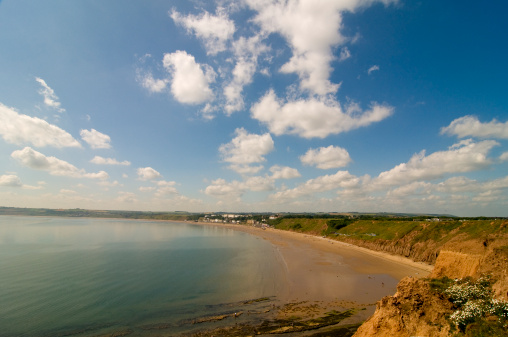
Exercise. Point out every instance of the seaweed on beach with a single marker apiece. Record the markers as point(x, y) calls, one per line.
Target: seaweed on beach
point(287, 326)
point(342, 331)
point(279, 326)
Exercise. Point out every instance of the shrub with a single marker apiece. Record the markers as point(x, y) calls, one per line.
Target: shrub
point(474, 302)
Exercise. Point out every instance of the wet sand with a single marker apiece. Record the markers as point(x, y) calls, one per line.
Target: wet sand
point(321, 275)
point(321, 269)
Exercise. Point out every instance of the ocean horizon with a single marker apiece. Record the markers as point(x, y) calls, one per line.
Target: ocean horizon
point(87, 276)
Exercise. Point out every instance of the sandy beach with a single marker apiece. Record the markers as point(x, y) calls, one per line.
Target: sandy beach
point(325, 274)
point(322, 269)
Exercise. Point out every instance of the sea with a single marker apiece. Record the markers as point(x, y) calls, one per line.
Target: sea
point(96, 277)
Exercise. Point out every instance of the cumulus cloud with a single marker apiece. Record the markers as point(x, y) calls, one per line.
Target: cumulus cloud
point(284, 172)
point(20, 129)
point(165, 188)
point(150, 83)
point(246, 148)
point(326, 157)
point(109, 183)
point(126, 197)
point(372, 69)
point(312, 28)
point(247, 51)
point(462, 184)
point(108, 161)
point(95, 139)
point(258, 184)
point(465, 156)
point(220, 188)
point(411, 189)
point(50, 99)
point(213, 30)
point(341, 179)
point(314, 118)
point(470, 126)
point(148, 173)
point(10, 180)
point(189, 83)
point(246, 169)
point(38, 161)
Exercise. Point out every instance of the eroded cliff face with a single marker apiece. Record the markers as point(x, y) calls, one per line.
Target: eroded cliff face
point(425, 242)
point(427, 251)
point(488, 256)
point(413, 311)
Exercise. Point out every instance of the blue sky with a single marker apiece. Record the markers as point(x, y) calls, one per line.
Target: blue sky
point(255, 105)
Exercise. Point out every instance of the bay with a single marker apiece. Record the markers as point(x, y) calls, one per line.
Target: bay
point(84, 276)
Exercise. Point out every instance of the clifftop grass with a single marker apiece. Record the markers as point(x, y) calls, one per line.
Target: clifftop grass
point(393, 229)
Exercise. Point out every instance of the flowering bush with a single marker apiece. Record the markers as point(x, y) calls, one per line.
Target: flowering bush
point(498, 308)
point(474, 301)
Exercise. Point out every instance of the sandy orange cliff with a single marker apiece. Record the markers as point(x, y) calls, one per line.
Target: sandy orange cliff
point(415, 310)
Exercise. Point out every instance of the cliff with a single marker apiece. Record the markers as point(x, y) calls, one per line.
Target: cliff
point(417, 310)
point(423, 241)
point(413, 311)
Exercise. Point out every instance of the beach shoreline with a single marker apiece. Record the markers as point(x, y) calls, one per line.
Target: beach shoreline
point(324, 275)
point(316, 266)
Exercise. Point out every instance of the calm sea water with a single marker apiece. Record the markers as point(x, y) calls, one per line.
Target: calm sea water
point(84, 277)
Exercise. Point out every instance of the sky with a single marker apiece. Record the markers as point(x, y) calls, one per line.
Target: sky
point(255, 105)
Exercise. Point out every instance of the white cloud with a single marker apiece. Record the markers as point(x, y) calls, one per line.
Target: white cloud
point(464, 156)
point(246, 148)
point(470, 126)
point(126, 197)
point(504, 156)
point(312, 28)
point(10, 180)
point(247, 51)
point(109, 183)
point(147, 188)
point(38, 161)
point(189, 83)
point(372, 69)
point(284, 172)
point(95, 139)
point(245, 169)
point(411, 189)
point(457, 184)
point(69, 192)
point(108, 161)
point(166, 188)
point(18, 129)
point(148, 173)
point(220, 188)
point(151, 84)
point(488, 197)
point(213, 30)
point(313, 117)
point(50, 99)
point(258, 184)
point(466, 185)
point(344, 54)
point(326, 157)
point(341, 179)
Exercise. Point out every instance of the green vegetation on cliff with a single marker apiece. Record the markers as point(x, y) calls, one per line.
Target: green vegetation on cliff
point(420, 238)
